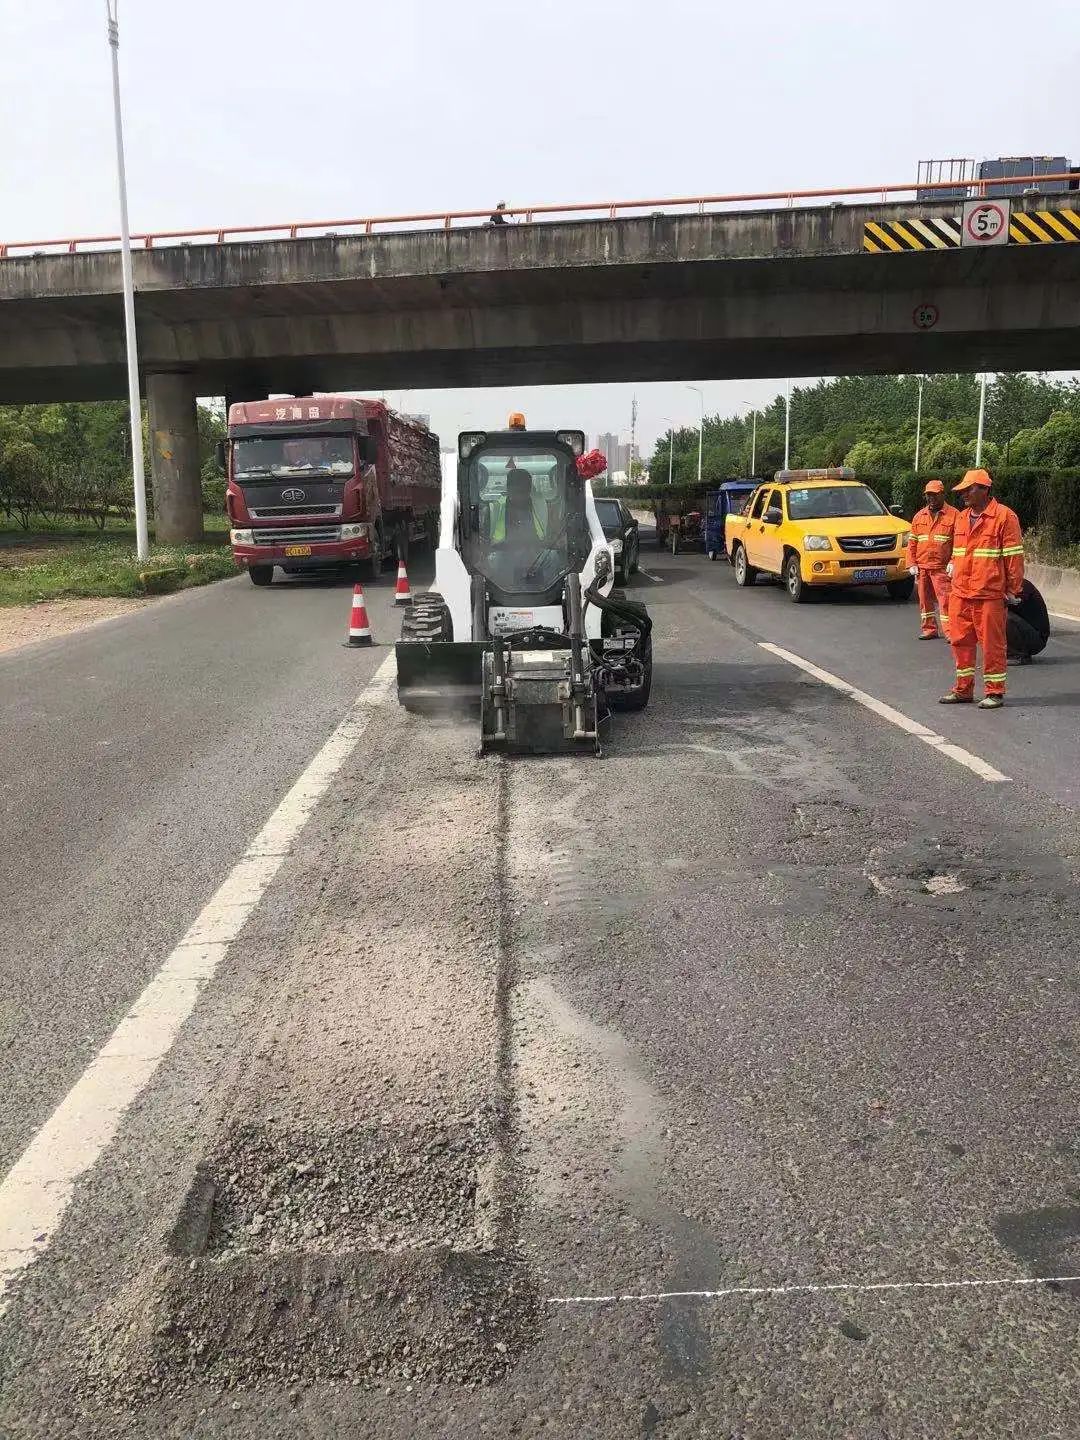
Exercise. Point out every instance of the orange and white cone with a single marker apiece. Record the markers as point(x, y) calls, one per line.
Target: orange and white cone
point(402, 593)
point(359, 629)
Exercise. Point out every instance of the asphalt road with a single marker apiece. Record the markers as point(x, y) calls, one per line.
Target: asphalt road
point(774, 1002)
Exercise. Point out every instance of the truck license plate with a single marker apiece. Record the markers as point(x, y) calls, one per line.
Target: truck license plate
point(866, 577)
point(295, 551)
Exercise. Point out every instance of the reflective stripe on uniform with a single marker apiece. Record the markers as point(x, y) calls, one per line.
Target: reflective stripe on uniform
point(960, 550)
point(989, 554)
point(961, 674)
point(941, 539)
point(990, 679)
point(1010, 550)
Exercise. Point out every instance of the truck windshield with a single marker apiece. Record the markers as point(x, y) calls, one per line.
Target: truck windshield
point(833, 502)
point(522, 519)
point(293, 455)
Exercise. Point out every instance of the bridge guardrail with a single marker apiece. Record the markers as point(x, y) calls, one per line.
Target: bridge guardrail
point(446, 219)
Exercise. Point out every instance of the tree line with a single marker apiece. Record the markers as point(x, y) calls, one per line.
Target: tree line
point(74, 461)
point(869, 423)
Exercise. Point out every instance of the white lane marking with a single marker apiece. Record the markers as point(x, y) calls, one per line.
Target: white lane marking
point(853, 1287)
point(656, 579)
point(1060, 615)
point(895, 717)
point(38, 1188)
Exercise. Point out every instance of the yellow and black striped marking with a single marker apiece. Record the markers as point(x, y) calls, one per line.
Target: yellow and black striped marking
point(888, 237)
point(1044, 227)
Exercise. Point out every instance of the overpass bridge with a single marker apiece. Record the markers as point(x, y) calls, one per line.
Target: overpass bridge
point(883, 285)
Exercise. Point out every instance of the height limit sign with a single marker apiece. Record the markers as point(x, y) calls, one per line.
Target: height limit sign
point(986, 222)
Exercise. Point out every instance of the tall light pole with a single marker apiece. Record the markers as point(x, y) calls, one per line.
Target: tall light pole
point(982, 418)
point(701, 427)
point(753, 436)
point(671, 444)
point(918, 424)
point(142, 539)
point(787, 429)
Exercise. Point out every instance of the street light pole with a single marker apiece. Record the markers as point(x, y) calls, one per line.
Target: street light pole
point(142, 539)
point(753, 437)
point(701, 427)
point(787, 429)
point(918, 424)
point(982, 417)
point(671, 445)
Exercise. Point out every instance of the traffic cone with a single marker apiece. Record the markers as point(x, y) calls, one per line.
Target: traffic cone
point(402, 593)
point(359, 629)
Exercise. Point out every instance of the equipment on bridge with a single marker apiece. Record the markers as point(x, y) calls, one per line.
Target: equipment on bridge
point(719, 503)
point(523, 615)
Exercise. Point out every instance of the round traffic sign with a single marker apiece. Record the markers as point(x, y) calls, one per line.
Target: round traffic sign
point(985, 222)
point(925, 316)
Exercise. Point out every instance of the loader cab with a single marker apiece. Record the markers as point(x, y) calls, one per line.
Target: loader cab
point(521, 512)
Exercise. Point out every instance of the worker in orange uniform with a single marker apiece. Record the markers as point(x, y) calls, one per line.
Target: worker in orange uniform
point(987, 575)
point(928, 554)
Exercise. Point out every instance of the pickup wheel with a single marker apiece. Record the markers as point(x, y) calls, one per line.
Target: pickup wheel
point(901, 589)
point(261, 574)
point(797, 590)
point(745, 573)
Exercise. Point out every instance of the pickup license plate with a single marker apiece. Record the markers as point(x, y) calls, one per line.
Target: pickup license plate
point(295, 551)
point(866, 577)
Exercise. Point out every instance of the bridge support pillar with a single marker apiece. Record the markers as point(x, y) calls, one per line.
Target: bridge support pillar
point(174, 458)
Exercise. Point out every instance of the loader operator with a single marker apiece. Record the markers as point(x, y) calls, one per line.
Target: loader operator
point(521, 517)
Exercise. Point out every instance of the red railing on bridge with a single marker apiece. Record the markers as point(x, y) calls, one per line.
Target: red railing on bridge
point(292, 230)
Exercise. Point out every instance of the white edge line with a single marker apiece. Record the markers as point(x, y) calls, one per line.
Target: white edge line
point(921, 732)
point(843, 1287)
point(38, 1188)
point(1060, 615)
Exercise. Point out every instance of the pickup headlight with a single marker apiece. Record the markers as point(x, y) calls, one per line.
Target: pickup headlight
point(616, 545)
point(241, 537)
point(354, 532)
point(902, 540)
point(816, 542)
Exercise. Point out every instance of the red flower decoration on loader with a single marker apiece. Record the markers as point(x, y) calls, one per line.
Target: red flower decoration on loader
point(592, 464)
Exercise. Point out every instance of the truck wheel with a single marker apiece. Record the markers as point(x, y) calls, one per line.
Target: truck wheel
point(261, 574)
point(793, 582)
point(373, 565)
point(745, 573)
point(901, 589)
point(427, 618)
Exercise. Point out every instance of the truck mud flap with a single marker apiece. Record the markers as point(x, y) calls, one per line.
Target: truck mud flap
point(443, 677)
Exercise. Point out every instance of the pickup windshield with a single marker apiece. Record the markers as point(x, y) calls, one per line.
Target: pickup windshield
point(833, 502)
point(293, 455)
point(522, 519)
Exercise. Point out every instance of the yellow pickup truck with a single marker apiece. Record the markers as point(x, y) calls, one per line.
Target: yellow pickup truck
point(815, 528)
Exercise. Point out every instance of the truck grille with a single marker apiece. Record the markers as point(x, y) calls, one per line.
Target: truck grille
point(297, 535)
point(867, 544)
point(275, 512)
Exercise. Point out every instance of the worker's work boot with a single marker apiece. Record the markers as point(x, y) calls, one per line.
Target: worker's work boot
point(956, 697)
point(991, 702)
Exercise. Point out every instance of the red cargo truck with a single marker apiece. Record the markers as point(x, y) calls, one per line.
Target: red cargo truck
point(326, 481)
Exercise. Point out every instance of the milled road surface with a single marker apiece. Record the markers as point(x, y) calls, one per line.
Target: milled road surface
point(773, 998)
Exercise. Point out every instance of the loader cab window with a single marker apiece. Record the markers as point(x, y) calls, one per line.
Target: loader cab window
point(523, 518)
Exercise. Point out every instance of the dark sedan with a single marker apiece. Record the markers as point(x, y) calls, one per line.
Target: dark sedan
point(621, 529)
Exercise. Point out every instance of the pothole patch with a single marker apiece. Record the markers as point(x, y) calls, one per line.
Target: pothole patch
point(357, 1256)
point(944, 885)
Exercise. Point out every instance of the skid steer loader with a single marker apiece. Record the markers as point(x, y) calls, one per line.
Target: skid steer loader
point(523, 624)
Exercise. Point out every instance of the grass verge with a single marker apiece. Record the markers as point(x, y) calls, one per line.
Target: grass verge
point(38, 568)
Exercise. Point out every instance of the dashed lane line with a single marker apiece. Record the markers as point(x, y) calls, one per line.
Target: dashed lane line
point(895, 717)
point(38, 1188)
point(853, 1287)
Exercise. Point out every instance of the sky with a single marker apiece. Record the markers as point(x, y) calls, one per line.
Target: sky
point(258, 111)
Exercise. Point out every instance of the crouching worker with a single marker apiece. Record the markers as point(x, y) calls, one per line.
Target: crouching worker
point(1027, 625)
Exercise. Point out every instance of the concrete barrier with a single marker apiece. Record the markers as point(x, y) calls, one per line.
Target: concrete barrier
point(1060, 586)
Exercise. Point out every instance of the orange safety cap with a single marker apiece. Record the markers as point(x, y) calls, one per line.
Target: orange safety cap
point(974, 477)
point(934, 487)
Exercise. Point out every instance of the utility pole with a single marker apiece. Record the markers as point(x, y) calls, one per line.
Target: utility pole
point(982, 418)
point(633, 432)
point(671, 445)
point(142, 539)
point(918, 424)
point(787, 429)
point(753, 436)
point(701, 426)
